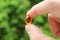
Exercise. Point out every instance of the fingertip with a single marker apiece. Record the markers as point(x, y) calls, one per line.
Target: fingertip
point(32, 12)
point(27, 27)
point(32, 29)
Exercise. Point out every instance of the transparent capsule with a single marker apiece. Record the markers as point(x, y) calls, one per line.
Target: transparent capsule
point(28, 20)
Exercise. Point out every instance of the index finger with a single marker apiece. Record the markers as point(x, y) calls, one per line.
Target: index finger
point(40, 8)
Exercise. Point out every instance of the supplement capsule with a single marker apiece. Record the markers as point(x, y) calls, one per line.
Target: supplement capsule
point(28, 20)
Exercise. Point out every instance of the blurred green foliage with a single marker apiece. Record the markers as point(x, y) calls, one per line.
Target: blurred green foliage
point(12, 17)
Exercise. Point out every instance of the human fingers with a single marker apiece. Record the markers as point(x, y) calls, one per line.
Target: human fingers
point(35, 33)
point(45, 7)
point(54, 25)
point(40, 8)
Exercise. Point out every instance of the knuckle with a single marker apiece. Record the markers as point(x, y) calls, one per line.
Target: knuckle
point(51, 3)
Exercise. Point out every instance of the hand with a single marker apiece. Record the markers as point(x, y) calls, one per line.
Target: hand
point(35, 33)
point(52, 8)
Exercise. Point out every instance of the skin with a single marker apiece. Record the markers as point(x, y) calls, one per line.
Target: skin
point(50, 7)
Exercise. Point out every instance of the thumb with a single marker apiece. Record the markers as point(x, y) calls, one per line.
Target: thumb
point(34, 33)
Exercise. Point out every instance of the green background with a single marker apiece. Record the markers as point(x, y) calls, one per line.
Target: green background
point(12, 20)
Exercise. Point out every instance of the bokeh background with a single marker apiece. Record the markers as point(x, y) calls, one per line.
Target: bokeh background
point(12, 20)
